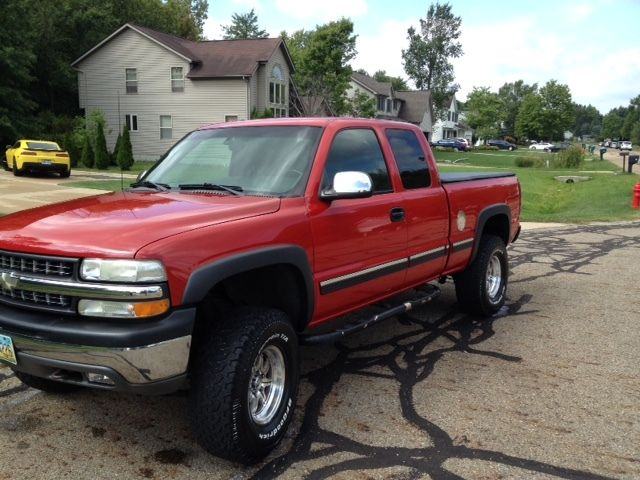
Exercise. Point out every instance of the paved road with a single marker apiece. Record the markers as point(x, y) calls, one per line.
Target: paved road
point(547, 389)
point(613, 155)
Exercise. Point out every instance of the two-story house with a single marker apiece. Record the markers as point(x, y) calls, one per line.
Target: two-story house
point(162, 87)
point(413, 106)
point(453, 125)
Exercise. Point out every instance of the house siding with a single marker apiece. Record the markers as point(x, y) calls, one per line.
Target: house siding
point(355, 87)
point(203, 101)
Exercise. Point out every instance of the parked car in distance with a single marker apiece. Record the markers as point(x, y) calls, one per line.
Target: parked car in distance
point(545, 146)
point(246, 240)
point(614, 145)
point(451, 143)
point(465, 141)
point(502, 145)
point(36, 155)
point(626, 145)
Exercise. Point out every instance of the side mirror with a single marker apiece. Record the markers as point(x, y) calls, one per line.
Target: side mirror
point(140, 175)
point(349, 185)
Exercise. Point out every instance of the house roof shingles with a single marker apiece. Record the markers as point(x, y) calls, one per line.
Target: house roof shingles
point(381, 88)
point(213, 58)
point(415, 104)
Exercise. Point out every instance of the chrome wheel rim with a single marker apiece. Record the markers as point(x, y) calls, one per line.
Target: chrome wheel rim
point(266, 387)
point(494, 277)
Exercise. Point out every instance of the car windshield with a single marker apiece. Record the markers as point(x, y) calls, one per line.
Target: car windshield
point(49, 146)
point(265, 160)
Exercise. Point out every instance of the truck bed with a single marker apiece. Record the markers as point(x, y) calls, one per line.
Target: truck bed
point(470, 176)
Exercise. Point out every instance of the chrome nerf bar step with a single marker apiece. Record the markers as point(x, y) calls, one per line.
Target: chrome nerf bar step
point(429, 292)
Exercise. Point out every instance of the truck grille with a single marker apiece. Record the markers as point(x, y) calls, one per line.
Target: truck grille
point(36, 298)
point(55, 268)
point(38, 265)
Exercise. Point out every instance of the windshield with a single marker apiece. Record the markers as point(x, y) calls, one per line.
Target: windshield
point(260, 160)
point(49, 146)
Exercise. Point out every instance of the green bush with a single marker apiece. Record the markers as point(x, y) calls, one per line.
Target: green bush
point(113, 158)
point(572, 157)
point(87, 153)
point(486, 147)
point(529, 162)
point(101, 153)
point(445, 149)
point(125, 151)
point(69, 144)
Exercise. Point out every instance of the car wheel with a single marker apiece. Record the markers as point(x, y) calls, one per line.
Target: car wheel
point(46, 385)
point(16, 171)
point(547, 150)
point(481, 288)
point(5, 165)
point(511, 149)
point(244, 384)
point(66, 173)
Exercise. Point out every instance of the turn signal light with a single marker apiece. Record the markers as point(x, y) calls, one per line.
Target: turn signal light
point(62, 154)
point(114, 309)
point(26, 152)
point(151, 309)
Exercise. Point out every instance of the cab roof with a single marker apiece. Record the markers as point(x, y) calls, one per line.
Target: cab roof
point(308, 122)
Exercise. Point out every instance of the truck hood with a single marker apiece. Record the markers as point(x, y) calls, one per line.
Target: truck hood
point(119, 224)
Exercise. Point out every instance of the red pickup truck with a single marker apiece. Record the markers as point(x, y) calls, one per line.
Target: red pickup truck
point(245, 240)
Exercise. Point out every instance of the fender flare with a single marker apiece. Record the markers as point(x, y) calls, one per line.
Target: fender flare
point(487, 213)
point(202, 280)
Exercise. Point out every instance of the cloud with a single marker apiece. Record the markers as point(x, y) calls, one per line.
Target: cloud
point(322, 11)
point(212, 29)
point(382, 49)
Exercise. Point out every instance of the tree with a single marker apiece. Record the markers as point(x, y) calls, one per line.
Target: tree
point(588, 121)
point(398, 83)
point(362, 105)
point(558, 114)
point(635, 134)
point(485, 112)
point(70, 146)
point(427, 59)
point(529, 119)
point(322, 59)
point(612, 124)
point(512, 95)
point(244, 26)
point(113, 158)
point(125, 152)
point(87, 152)
point(631, 118)
point(101, 154)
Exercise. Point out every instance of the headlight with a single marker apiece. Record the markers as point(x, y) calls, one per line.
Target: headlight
point(108, 308)
point(130, 271)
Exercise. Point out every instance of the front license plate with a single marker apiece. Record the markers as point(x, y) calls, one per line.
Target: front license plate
point(7, 353)
point(46, 162)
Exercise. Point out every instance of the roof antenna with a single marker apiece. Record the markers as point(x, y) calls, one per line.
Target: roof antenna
point(121, 179)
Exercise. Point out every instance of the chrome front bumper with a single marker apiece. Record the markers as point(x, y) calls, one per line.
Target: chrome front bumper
point(139, 365)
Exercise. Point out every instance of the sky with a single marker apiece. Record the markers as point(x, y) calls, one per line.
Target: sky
point(591, 45)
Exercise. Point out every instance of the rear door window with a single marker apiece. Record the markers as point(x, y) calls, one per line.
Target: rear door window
point(410, 158)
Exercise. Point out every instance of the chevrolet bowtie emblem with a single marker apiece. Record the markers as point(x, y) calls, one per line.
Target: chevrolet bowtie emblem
point(8, 281)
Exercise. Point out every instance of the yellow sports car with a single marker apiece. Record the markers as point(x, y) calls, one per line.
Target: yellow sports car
point(40, 155)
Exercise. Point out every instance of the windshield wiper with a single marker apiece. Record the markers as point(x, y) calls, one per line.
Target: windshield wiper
point(147, 184)
point(233, 189)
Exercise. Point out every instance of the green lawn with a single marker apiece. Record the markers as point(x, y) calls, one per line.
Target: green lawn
point(606, 197)
point(135, 168)
point(111, 185)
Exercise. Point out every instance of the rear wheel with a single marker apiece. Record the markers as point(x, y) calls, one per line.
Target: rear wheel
point(5, 165)
point(66, 173)
point(16, 171)
point(244, 384)
point(481, 288)
point(511, 149)
point(46, 385)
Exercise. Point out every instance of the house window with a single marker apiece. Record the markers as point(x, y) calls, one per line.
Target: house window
point(131, 80)
point(166, 126)
point(388, 105)
point(449, 115)
point(231, 118)
point(132, 122)
point(177, 79)
point(381, 103)
point(278, 92)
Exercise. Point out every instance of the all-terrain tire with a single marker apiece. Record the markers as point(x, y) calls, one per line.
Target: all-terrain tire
point(474, 288)
point(46, 385)
point(223, 370)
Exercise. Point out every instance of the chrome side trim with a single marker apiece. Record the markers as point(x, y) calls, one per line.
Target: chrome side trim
point(360, 273)
point(137, 365)
point(80, 289)
point(433, 251)
point(462, 244)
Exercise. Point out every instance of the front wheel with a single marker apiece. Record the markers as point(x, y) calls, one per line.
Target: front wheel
point(244, 384)
point(5, 165)
point(481, 288)
point(511, 149)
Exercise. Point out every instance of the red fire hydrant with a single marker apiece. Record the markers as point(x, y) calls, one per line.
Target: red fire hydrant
point(636, 196)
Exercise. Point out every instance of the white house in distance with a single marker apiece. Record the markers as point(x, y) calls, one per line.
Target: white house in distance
point(163, 87)
point(412, 106)
point(454, 125)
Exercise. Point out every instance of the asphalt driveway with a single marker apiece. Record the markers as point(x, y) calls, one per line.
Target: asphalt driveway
point(548, 388)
